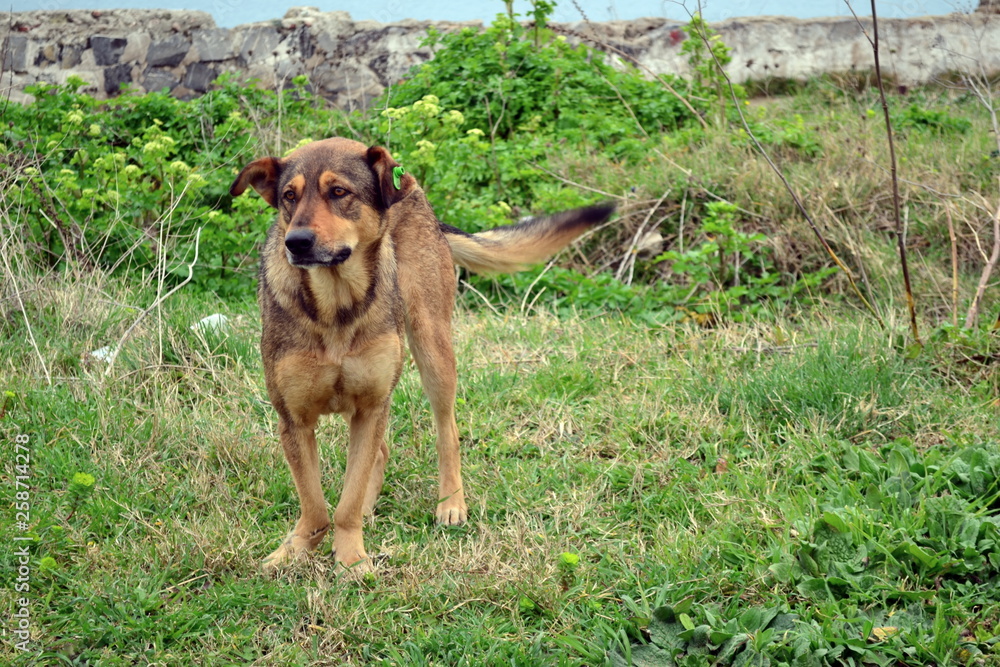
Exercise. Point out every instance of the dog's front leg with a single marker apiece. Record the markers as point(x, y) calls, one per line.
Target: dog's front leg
point(365, 466)
point(298, 440)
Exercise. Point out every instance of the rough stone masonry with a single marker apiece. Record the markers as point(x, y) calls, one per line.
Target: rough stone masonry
point(351, 62)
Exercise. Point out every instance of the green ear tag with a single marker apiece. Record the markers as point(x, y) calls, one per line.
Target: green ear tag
point(397, 173)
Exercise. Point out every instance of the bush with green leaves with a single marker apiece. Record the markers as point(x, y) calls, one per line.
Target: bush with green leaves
point(510, 80)
point(492, 106)
point(142, 181)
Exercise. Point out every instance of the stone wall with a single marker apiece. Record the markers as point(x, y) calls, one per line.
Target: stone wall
point(351, 62)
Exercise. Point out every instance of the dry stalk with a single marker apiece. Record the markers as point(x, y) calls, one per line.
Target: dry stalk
point(954, 265)
point(12, 278)
point(628, 261)
point(156, 304)
point(14, 258)
point(900, 231)
point(486, 299)
point(680, 224)
point(581, 186)
point(984, 278)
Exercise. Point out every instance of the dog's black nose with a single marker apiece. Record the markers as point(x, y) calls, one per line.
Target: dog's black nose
point(299, 241)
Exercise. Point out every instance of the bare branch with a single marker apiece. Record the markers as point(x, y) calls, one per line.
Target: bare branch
point(900, 231)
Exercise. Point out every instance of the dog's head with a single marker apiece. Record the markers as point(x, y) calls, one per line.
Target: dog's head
point(331, 197)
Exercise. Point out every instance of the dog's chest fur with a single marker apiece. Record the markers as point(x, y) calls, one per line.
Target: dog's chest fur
point(332, 335)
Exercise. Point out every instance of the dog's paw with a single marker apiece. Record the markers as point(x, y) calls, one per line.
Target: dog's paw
point(283, 556)
point(349, 551)
point(292, 548)
point(452, 512)
point(357, 570)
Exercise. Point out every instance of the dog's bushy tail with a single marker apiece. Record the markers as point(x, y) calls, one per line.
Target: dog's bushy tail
point(531, 241)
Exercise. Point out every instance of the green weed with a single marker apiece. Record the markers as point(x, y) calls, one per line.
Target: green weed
point(901, 545)
point(839, 386)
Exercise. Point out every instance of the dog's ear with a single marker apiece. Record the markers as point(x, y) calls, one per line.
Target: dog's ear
point(393, 183)
point(262, 176)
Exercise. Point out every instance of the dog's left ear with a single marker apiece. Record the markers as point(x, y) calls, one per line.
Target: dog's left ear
point(392, 182)
point(262, 176)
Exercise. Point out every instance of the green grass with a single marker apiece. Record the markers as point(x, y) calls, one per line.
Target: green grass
point(679, 464)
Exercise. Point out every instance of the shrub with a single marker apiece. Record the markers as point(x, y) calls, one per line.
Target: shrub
point(125, 185)
point(491, 107)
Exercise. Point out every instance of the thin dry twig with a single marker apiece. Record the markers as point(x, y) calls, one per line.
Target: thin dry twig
point(900, 231)
point(12, 277)
point(482, 296)
point(984, 278)
point(567, 181)
point(156, 304)
point(981, 87)
point(772, 348)
point(629, 58)
point(954, 265)
point(680, 224)
point(629, 260)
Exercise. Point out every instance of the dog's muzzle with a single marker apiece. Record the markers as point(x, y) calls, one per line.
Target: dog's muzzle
point(300, 246)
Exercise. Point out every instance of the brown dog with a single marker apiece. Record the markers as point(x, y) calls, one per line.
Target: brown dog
point(355, 257)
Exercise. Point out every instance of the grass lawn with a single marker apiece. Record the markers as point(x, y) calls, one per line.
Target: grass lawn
point(792, 490)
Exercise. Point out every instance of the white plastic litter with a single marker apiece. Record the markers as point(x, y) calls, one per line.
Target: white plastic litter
point(105, 354)
point(214, 322)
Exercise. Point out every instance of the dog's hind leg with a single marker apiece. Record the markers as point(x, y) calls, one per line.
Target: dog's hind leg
point(427, 282)
point(430, 342)
point(376, 479)
point(299, 444)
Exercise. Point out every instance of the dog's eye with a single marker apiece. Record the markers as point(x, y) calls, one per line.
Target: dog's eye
point(289, 195)
point(338, 191)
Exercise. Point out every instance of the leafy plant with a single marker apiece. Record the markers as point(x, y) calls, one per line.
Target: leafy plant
point(894, 534)
point(731, 271)
point(917, 117)
point(707, 55)
point(791, 136)
point(124, 185)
